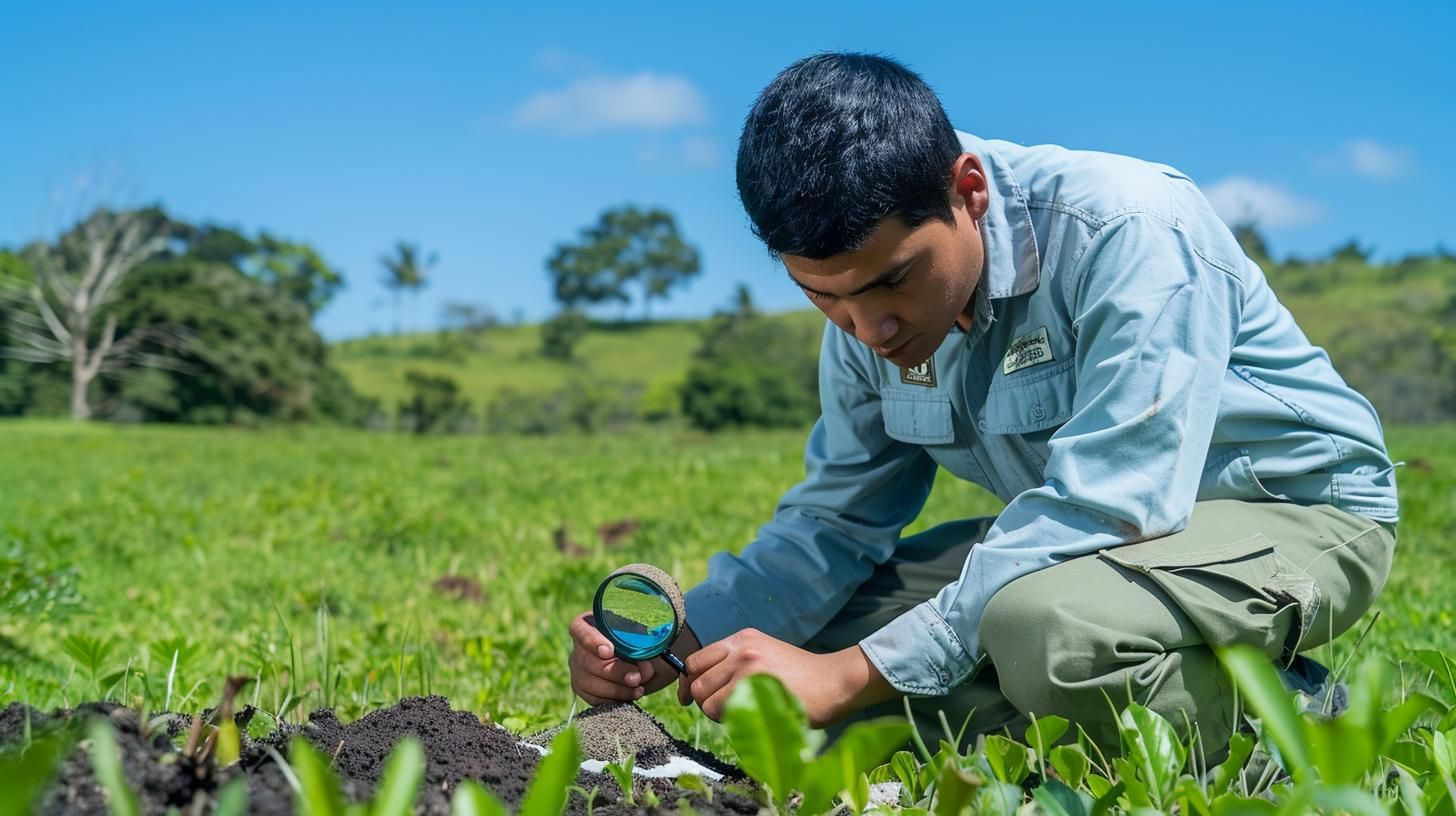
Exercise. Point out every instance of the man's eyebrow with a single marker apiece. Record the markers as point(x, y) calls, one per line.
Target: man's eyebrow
point(880, 280)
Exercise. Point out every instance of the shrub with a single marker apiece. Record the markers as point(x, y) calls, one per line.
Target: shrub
point(752, 372)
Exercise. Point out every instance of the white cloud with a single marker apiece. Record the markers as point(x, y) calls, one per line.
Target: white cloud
point(1242, 200)
point(1375, 161)
point(642, 101)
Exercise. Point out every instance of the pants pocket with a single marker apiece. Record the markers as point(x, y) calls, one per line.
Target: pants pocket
point(1241, 592)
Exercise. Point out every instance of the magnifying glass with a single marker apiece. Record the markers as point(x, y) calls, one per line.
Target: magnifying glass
point(639, 609)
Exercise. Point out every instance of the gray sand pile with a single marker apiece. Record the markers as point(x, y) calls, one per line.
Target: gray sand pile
point(600, 729)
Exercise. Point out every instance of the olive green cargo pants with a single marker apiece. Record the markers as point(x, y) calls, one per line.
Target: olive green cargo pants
point(1139, 619)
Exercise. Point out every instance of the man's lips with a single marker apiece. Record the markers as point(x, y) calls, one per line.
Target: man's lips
point(894, 352)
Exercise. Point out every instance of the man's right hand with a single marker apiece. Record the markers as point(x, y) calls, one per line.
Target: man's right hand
point(599, 676)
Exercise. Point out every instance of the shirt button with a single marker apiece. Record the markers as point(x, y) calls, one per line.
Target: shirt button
point(981, 424)
point(1038, 413)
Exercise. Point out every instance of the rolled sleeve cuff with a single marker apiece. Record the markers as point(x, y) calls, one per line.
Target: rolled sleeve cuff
point(712, 614)
point(919, 653)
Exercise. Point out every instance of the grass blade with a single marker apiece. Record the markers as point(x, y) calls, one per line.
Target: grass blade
point(400, 784)
point(1267, 697)
point(106, 763)
point(556, 773)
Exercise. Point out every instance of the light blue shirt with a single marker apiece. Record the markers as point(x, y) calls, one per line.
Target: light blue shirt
point(1127, 360)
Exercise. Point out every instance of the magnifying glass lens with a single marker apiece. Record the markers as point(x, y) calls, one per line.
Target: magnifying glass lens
point(637, 615)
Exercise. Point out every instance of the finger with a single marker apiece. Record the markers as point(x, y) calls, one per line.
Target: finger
point(619, 672)
point(684, 694)
point(713, 706)
point(584, 632)
point(707, 657)
point(713, 680)
point(605, 690)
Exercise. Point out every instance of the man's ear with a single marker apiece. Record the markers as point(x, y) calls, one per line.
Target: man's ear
point(968, 181)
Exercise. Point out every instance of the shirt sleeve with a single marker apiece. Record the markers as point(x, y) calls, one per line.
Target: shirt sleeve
point(1155, 323)
point(861, 488)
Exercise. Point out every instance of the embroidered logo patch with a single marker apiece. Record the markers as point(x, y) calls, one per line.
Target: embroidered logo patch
point(1028, 350)
point(923, 374)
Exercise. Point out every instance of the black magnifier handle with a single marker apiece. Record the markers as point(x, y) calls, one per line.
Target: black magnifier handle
point(675, 662)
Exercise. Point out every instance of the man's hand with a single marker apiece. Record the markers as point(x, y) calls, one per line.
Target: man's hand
point(831, 686)
point(598, 676)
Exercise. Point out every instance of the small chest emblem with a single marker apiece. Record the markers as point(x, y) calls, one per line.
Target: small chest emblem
point(1028, 350)
point(923, 374)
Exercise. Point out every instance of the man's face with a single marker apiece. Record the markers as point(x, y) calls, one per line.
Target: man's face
point(902, 289)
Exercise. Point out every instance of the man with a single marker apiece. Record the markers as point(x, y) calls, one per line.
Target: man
point(1080, 334)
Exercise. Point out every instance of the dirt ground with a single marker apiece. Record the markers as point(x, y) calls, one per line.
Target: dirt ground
point(457, 746)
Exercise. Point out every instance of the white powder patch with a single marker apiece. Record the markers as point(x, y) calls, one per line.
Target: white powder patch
point(672, 769)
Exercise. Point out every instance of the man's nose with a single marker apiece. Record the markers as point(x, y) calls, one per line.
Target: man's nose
point(877, 331)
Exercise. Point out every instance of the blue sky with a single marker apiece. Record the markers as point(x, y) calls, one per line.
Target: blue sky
point(490, 132)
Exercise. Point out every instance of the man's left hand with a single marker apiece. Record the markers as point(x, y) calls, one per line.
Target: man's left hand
point(830, 686)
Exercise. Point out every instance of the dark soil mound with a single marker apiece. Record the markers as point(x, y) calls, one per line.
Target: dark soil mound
point(457, 746)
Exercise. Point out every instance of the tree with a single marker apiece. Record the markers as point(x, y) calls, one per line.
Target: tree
point(752, 372)
point(1351, 251)
point(561, 334)
point(66, 311)
point(1252, 242)
point(407, 270)
point(294, 269)
point(626, 247)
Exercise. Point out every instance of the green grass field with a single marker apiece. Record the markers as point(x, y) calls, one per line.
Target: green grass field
point(306, 558)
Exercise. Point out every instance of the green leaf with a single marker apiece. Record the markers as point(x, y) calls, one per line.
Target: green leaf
point(28, 772)
point(860, 748)
point(954, 789)
point(1413, 756)
point(554, 775)
point(1233, 805)
point(1057, 799)
point(321, 795)
point(106, 762)
point(229, 743)
point(1191, 797)
point(232, 800)
point(695, 783)
point(1153, 746)
point(907, 770)
point(997, 799)
point(768, 730)
point(1267, 697)
point(1346, 799)
point(1007, 759)
point(1442, 667)
point(1443, 753)
point(399, 787)
point(1132, 782)
point(1240, 748)
point(1071, 764)
point(1044, 732)
point(472, 800)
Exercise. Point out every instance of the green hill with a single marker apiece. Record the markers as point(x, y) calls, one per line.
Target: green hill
point(1388, 327)
point(648, 355)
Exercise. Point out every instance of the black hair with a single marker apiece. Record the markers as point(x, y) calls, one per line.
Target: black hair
point(837, 143)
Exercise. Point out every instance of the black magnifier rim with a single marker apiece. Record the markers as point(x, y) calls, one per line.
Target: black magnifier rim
point(625, 650)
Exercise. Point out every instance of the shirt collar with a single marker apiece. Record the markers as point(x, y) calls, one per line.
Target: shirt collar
point(1013, 263)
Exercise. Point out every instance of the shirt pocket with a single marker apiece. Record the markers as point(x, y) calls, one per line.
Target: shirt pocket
point(1231, 476)
point(1034, 401)
point(921, 419)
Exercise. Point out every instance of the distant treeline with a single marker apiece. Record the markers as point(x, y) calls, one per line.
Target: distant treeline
point(213, 326)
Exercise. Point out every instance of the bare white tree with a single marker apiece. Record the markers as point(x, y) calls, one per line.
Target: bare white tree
point(54, 317)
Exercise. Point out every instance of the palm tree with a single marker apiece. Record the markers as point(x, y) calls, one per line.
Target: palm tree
point(406, 269)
